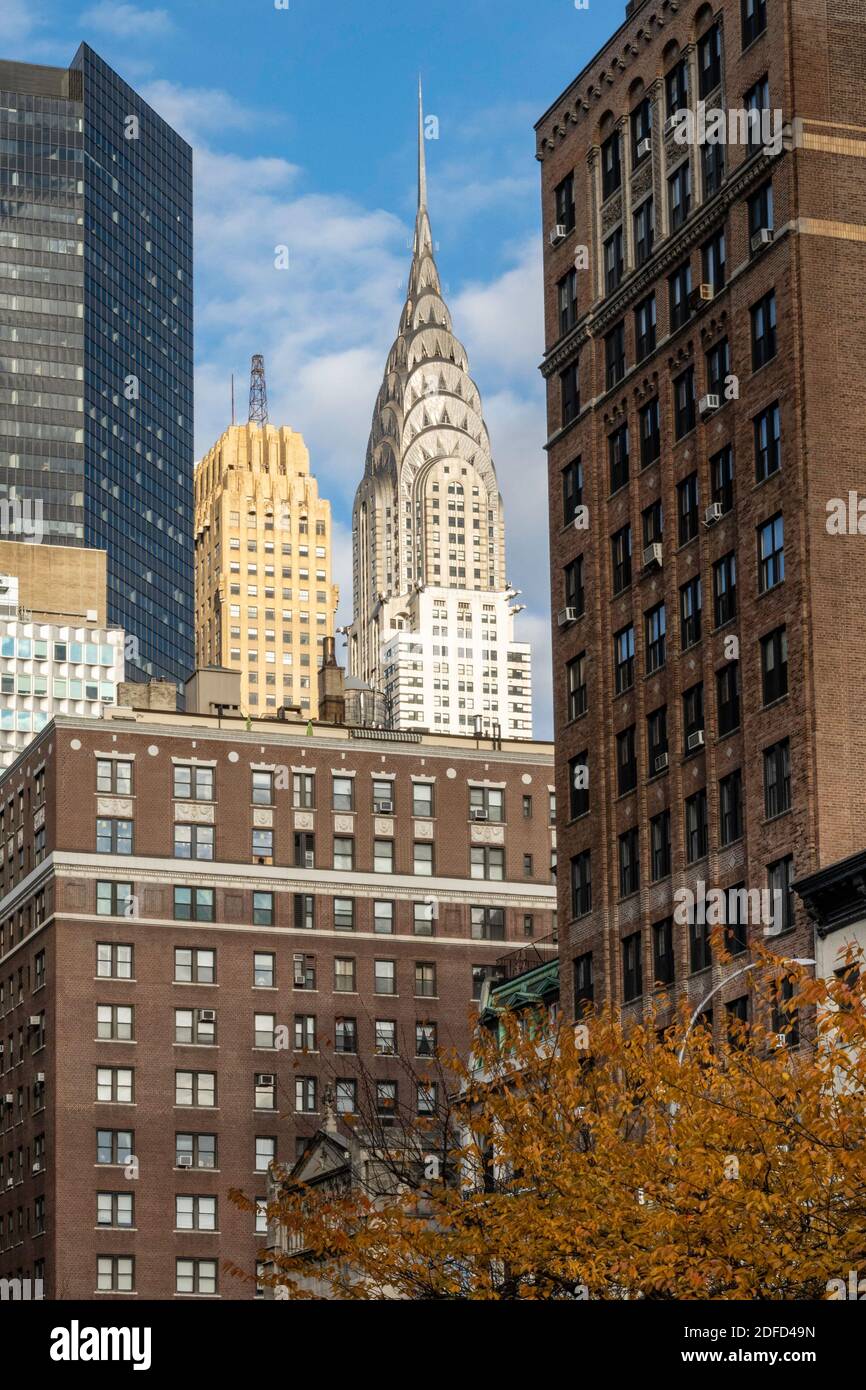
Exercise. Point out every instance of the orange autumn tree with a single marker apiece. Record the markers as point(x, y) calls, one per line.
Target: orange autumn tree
point(609, 1162)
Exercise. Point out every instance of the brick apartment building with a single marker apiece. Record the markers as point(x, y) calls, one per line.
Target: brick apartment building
point(705, 364)
point(176, 889)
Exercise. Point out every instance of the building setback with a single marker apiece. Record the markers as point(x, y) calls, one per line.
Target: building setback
point(704, 359)
point(179, 888)
point(96, 388)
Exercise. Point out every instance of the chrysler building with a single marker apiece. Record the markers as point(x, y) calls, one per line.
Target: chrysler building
point(433, 614)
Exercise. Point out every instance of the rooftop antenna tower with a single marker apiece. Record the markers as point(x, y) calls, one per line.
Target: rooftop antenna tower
point(258, 392)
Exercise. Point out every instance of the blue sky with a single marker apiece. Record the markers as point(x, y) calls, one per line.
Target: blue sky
point(303, 125)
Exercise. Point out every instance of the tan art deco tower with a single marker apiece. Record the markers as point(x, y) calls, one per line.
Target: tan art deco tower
point(264, 600)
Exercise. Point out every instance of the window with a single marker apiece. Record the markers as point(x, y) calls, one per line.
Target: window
point(581, 884)
point(343, 793)
point(344, 853)
point(679, 296)
point(629, 862)
point(264, 1030)
point(114, 961)
point(644, 232)
point(488, 924)
point(754, 19)
point(780, 881)
point(761, 216)
point(567, 299)
point(736, 919)
point(386, 1099)
point(768, 442)
point(193, 904)
point(728, 698)
point(677, 88)
point(632, 970)
point(425, 1039)
point(490, 801)
point(114, 1021)
point(383, 795)
point(584, 988)
point(115, 1084)
point(731, 808)
point(713, 259)
point(687, 508)
point(650, 433)
point(576, 686)
point(305, 1095)
point(690, 613)
point(570, 393)
point(777, 779)
point(722, 478)
point(303, 791)
point(263, 846)
point(578, 785)
point(422, 799)
point(725, 589)
point(195, 1276)
point(774, 665)
point(684, 403)
point(263, 789)
point(347, 1097)
point(617, 452)
point(114, 1209)
point(613, 261)
point(383, 856)
point(384, 976)
point(641, 129)
point(345, 1035)
point(680, 195)
point(712, 167)
point(385, 1037)
point(660, 845)
point(486, 862)
point(264, 969)
point(663, 952)
point(265, 1151)
point(764, 330)
point(344, 975)
point(645, 327)
point(263, 909)
point(114, 899)
point(194, 966)
point(563, 197)
point(115, 1274)
point(655, 636)
point(113, 836)
point(611, 165)
point(709, 61)
point(193, 841)
point(304, 911)
point(195, 1213)
point(771, 553)
point(786, 1018)
point(113, 777)
point(620, 545)
point(114, 1146)
point(696, 826)
point(623, 648)
point(193, 783)
point(614, 355)
point(195, 1088)
point(427, 1095)
point(383, 917)
point(757, 105)
point(657, 739)
point(693, 713)
point(572, 490)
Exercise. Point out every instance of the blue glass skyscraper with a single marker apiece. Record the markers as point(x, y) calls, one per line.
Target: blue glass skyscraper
point(96, 339)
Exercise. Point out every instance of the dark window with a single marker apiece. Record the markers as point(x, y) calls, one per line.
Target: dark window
point(305, 849)
point(709, 61)
point(650, 433)
point(576, 680)
point(737, 1017)
point(725, 589)
point(722, 478)
point(645, 328)
point(679, 296)
point(641, 129)
point(654, 631)
point(713, 260)
point(684, 403)
point(690, 613)
point(771, 553)
point(614, 264)
point(581, 884)
point(570, 390)
point(693, 715)
point(611, 165)
point(677, 87)
point(728, 698)
point(774, 665)
point(780, 881)
point(757, 103)
point(583, 982)
point(731, 807)
point(687, 508)
point(657, 739)
point(777, 779)
point(768, 442)
point(764, 330)
point(660, 842)
point(567, 297)
point(754, 18)
point(578, 784)
point(663, 952)
point(680, 195)
point(573, 584)
point(626, 761)
point(617, 449)
point(572, 490)
point(644, 231)
point(786, 1018)
point(193, 904)
point(761, 217)
point(305, 910)
point(620, 547)
point(712, 167)
point(563, 196)
point(736, 919)
point(632, 973)
point(623, 656)
point(700, 957)
point(653, 524)
point(614, 355)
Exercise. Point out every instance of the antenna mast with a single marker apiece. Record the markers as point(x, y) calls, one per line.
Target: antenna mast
point(258, 391)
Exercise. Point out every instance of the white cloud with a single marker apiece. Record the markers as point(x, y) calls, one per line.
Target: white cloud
point(127, 21)
point(198, 112)
point(503, 319)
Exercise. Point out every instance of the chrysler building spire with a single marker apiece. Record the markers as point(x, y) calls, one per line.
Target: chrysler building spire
point(422, 162)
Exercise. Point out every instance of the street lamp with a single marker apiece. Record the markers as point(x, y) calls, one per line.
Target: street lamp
point(796, 960)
